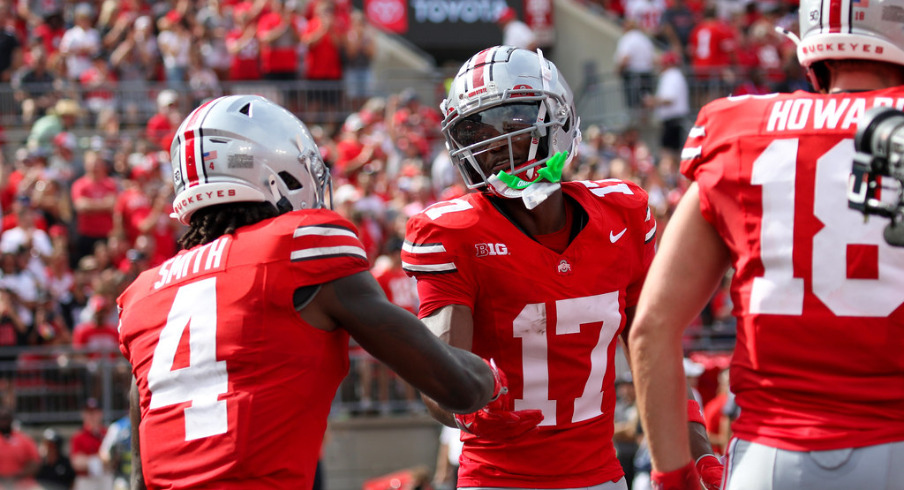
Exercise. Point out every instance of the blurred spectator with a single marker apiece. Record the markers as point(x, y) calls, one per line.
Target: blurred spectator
point(37, 88)
point(19, 458)
point(161, 127)
point(55, 471)
point(211, 24)
point(671, 103)
point(627, 427)
point(63, 165)
point(323, 59)
point(174, 42)
point(712, 46)
point(675, 26)
point(647, 14)
point(10, 45)
point(358, 52)
point(243, 46)
point(278, 36)
point(135, 60)
point(13, 331)
point(49, 32)
point(81, 42)
point(634, 59)
point(33, 11)
point(96, 334)
point(22, 286)
point(446, 476)
point(202, 79)
point(85, 447)
point(63, 117)
point(116, 452)
point(515, 32)
point(27, 236)
point(99, 85)
point(753, 84)
point(93, 197)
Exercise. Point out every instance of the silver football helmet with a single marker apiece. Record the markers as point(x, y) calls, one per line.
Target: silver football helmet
point(245, 148)
point(848, 29)
point(501, 94)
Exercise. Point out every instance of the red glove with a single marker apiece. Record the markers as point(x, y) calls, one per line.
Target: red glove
point(498, 420)
point(710, 469)
point(684, 478)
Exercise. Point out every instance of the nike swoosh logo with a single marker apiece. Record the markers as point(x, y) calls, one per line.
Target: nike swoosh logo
point(614, 238)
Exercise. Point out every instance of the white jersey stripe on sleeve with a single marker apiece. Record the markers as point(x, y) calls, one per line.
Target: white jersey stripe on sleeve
point(323, 231)
point(651, 233)
point(429, 248)
point(326, 252)
point(447, 267)
point(696, 132)
point(691, 153)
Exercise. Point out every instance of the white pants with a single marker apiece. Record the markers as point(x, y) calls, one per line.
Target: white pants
point(609, 485)
point(752, 466)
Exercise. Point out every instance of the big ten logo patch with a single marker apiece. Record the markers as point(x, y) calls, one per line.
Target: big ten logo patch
point(487, 249)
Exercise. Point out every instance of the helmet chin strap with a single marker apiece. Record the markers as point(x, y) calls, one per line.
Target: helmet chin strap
point(531, 192)
point(282, 202)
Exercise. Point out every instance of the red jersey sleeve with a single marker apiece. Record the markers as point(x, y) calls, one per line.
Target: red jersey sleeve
point(430, 255)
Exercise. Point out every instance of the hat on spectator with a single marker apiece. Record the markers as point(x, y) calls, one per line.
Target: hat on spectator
point(91, 404)
point(166, 97)
point(56, 231)
point(668, 59)
point(66, 107)
point(506, 15)
point(83, 9)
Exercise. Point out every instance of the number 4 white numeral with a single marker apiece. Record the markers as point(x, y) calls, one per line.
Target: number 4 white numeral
point(205, 378)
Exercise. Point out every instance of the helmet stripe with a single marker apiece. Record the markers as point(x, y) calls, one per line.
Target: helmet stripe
point(839, 15)
point(191, 145)
point(477, 80)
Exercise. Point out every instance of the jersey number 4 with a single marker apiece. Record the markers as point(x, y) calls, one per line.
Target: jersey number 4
point(778, 291)
point(205, 378)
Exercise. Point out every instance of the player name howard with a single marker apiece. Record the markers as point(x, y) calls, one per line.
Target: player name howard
point(807, 114)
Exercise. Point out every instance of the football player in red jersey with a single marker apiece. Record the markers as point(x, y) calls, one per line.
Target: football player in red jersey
point(817, 370)
point(539, 274)
point(238, 343)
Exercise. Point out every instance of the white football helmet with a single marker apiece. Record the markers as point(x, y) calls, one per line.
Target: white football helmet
point(501, 93)
point(848, 29)
point(245, 148)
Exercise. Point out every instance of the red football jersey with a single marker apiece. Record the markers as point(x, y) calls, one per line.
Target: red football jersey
point(236, 388)
point(549, 319)
point(817, 292)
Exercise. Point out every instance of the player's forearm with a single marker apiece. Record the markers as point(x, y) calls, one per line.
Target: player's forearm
point(661, 397)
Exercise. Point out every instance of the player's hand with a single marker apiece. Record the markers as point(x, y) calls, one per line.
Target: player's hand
point(710, 470)
point(498, 420)
point(684, 478)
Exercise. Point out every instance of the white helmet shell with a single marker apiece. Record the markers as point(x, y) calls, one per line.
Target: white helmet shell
point(852, 30)
point(242, 148)
point(509, 75)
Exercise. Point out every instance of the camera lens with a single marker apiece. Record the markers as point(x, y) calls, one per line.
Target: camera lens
point(877, 130)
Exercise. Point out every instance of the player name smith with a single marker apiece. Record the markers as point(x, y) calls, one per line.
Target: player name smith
point(196, 261)
point(834, 113)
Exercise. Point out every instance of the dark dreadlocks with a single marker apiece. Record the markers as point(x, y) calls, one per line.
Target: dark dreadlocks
point(210, 223)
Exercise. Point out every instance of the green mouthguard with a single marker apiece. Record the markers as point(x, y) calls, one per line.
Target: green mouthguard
point(551, 172)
